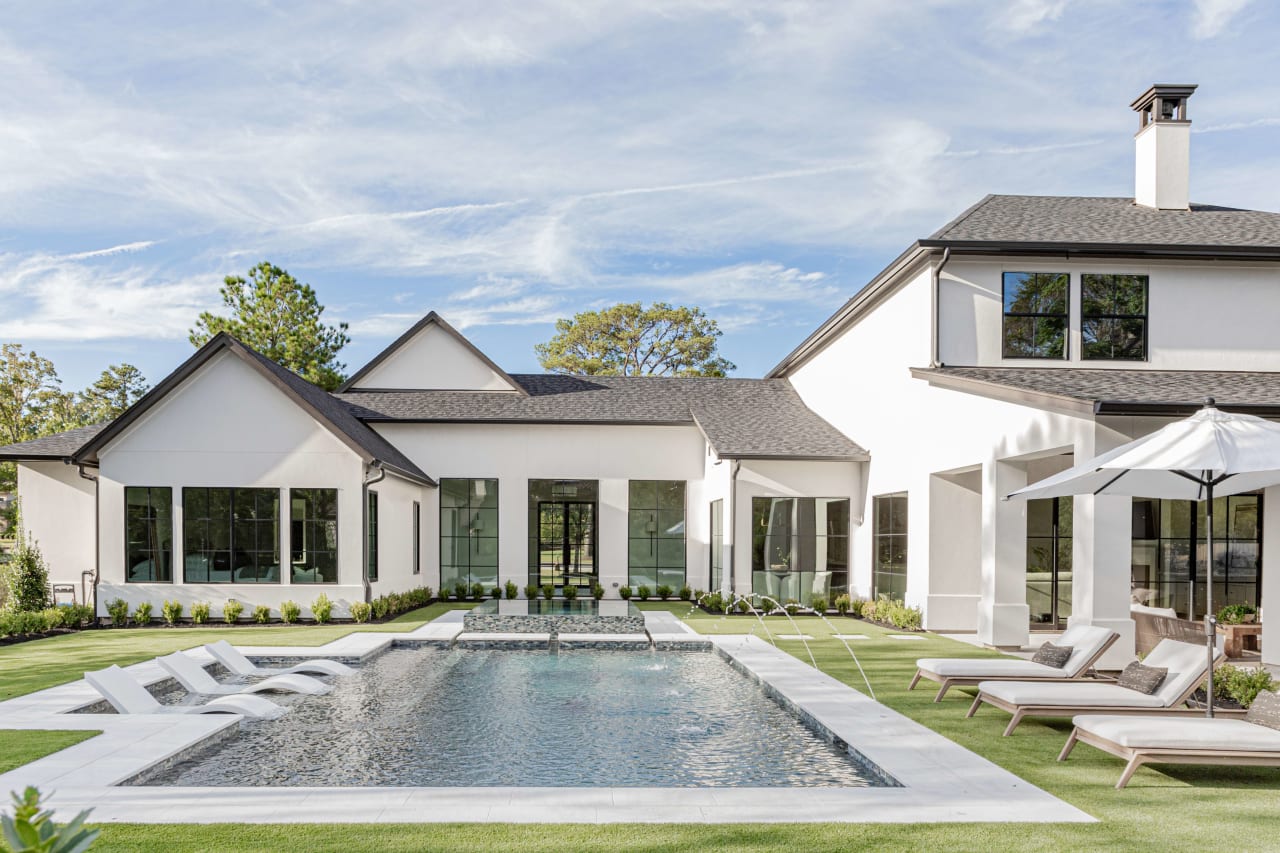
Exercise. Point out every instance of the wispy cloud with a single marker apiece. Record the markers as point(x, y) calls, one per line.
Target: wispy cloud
point(1022, 16)
point(1212, 16)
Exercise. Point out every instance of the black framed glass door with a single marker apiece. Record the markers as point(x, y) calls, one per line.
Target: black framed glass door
point(567, 543)
point(1049, 562)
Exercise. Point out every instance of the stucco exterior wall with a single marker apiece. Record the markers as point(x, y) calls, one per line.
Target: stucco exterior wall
point(433, 358)
point(396, 497)
point(57, 512)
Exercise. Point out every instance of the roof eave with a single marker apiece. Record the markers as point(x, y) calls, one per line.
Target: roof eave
point(1145, 250)
point(797, 457)
point(1140, 408)
point(1022, 396)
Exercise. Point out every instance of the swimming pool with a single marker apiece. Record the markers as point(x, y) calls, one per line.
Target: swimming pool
point(476, 718)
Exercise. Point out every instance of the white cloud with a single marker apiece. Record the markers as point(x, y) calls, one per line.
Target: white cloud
point(1023, 16)
point(1212, 16)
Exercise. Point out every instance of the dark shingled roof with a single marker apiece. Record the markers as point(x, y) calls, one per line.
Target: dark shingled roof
point(61, 446)
point(1095, 221)
point(1115, 391)
point(742, 418)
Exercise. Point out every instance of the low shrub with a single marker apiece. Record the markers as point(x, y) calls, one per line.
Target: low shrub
point(231, 611)
point(548, 591)
point(477, 590)
point(570, 592)
point(460, 590)
point(685, 593)
point(380, 607)
point(171, 611)
point(1241, 685)
point(1236, 614)
point(15, 623)
point(200, 613)
point(289, 612)
point(743, 605)
point(664, 591)
point(77, 615)
point(513, 591)
point(791, 606)
point(360, 611)
point(624, 592)
point(819, 604)
point(118, 610)
point(31, 827)
point(27, 577)
point(597, 591)
point(713, 602)
point(643, 592)
point(895, 613)
point(496, 592)
point(843, 604)
point(322, 609)
point(531, 591)
point(868, 609)
point(142, 613)
point(262, 614)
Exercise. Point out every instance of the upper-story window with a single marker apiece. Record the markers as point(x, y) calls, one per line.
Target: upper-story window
point(1113, 316)
point(1035, 314)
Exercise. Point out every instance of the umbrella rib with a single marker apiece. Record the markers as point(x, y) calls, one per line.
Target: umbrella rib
point(1109, 483)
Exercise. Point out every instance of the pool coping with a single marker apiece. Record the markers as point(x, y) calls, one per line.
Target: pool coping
point(941, 781)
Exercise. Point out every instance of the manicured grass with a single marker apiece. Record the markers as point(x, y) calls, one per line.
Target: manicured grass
point(19, 747)
point(1164, 809)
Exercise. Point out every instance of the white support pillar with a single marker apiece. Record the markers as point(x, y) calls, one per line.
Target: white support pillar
point(1003, 615)
point(1270, 603)
point(1102, 546)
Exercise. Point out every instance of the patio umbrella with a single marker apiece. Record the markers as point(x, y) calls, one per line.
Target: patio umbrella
point(1212, 453)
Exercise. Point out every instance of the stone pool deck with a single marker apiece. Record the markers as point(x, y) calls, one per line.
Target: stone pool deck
point(938, 781)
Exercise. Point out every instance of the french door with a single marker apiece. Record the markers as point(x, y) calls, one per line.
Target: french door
point(567, 543)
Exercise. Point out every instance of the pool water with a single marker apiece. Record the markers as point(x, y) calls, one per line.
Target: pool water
point(476, 717)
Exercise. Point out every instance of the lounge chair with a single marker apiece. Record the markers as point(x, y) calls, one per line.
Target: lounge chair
point(194, 679)
point(127, 696)
point(1187, 665)
point(1088, 643)
point(235, 662)
point(1176, 740)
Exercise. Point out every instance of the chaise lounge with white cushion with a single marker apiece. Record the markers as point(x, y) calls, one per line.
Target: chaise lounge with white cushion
point(195, 679)
point(235, 662)
point(127, 696)
point(1175, 740)
point(1088, 643)
point(1187, 666)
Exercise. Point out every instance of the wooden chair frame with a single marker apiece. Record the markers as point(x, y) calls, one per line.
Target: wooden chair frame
point(946, 682)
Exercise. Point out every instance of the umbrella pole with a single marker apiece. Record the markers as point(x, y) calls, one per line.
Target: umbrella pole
point(1210, 624)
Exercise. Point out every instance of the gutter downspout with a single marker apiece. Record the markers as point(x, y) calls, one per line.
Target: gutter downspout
point(375, 464)
point(937, 307)
point(97, 538)
point(733, 526)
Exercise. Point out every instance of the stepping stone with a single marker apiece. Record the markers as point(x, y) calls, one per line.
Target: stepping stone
point(851, 636)
point(793, 636)
point(905, 637)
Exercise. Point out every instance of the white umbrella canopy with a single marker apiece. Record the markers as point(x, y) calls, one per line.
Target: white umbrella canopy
point(1210, 453)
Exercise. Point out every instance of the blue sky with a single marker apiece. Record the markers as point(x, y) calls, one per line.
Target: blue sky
point(510, 163)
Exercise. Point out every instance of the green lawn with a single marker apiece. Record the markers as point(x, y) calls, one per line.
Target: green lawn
point(19, 747)
point(1168, 809)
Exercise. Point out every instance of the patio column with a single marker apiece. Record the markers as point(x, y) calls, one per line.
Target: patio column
point(1270, 602)
point(1101, 545)
point(1003, 615)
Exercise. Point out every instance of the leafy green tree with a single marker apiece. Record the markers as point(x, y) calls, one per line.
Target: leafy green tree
point(631, 340)
point(30, 397)
point(278, 316)
point(118, 388)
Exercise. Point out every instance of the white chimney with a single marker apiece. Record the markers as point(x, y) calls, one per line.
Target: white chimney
point(1163, 147)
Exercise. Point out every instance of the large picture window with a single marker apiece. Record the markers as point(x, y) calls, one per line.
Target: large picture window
point(468, 533)
point(148, 524)
point(799, 548)
point(889, 526)
point(231, 535)
point(656, 533)
point(1035, 314)
point(371, 538)
point(313, 535)
point(1113, 316)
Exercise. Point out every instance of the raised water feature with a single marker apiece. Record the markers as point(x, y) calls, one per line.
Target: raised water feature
point(445, 718)
point(554, 616)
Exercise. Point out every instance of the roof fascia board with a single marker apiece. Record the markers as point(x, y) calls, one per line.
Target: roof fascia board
point(886, 282)
point(432, 319)
point(383, 419)
point(1114, 250)
point(995, 390)
point(406, 475)
point(765, 457)
point(1135, 408)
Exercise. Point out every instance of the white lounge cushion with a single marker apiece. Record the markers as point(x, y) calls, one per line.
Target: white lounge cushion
point(1081, 694)
point(1085, 641)
point(1181, 733)
point(1188, 665)
point(1154, 611)
point(992, 667)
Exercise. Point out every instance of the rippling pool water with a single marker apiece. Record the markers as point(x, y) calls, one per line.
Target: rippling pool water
point(434, 717)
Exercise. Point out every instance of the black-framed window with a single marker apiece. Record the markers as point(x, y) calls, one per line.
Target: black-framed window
point(717, 545)
point(148, 525)
point(468, 532)
point(1036, 309)
point(371, 533)
point(656, 533)
point(313, 535)
point(417, 538)
point(799, 548)
point(889, 536)
point(1113, 316)
point(230, 535)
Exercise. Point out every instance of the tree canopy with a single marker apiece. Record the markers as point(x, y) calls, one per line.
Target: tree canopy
point(630, 340)
point(278, 316)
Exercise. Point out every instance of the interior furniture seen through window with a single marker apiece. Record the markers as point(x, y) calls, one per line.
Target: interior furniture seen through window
point(1113, 316)
point(231, 535)
point(313, 535)
point(468, 533)
point(1049, 562)
point(371, 533)
point(799, 548)
point(656, 533)
point(717, 545)
point(889, 526)
point(1036, 306)
point(148, 525)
